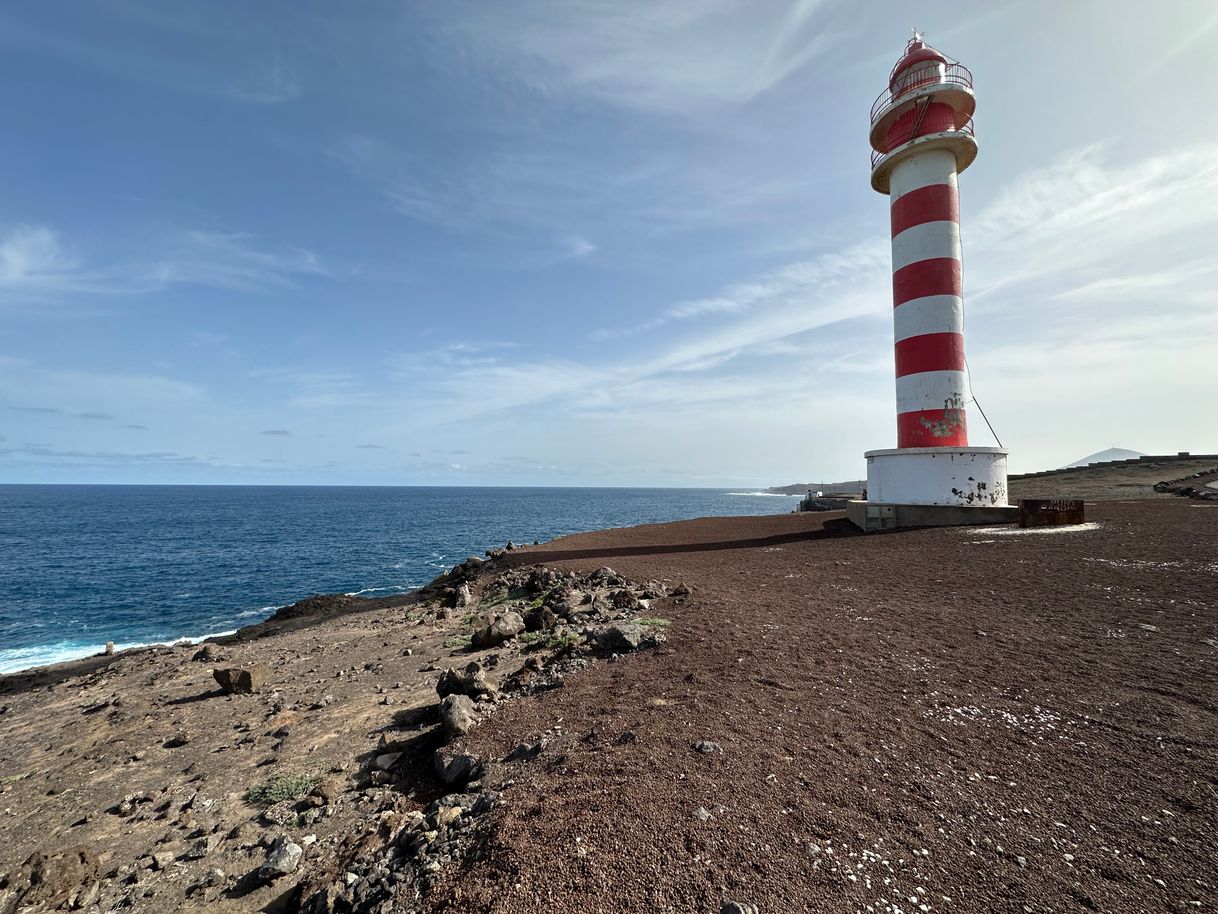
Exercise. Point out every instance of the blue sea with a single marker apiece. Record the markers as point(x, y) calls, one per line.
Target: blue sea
point(83, 565)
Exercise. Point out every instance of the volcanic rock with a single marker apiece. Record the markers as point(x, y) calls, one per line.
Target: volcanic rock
point(624, 599)
point(282, 859)
point(470, 681)
point(508, 625)
point(243, 680)
point(621, 638)
point(457, 715)
point(456, 769)
point(206, 654)
point(539, 619)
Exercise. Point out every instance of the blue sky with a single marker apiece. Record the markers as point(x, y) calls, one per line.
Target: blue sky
point(579, 242)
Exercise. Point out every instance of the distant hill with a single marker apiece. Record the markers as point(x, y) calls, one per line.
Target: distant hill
point(1113, 453)
point(829, 488)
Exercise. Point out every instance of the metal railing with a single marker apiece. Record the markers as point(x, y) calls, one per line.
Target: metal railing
point(913, 131)
point(953, 74)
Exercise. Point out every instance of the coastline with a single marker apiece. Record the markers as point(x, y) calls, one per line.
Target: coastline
point(837, 686)
point(147, 565)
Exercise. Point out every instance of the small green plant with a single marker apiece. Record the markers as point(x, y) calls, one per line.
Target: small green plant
point(507, 596)
point(529, 637)
point(655, 621)
point(563, 642)
point(12, 778)
point(280, 787)
point(459, 641)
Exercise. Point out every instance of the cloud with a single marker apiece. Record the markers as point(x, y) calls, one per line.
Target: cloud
point(578, 246)
point(669, 56)
point(46, 452)
point(273, 84)
point(139, 428)
point(35, 264)
point(796, 281)
point(233, 260)
point(371, 447)
point(280, 432)
point(105, 417)
point(140, 393)
point(320, 389)
point(1063, 266)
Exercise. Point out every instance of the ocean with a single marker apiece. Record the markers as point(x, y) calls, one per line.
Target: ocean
point(83, 565)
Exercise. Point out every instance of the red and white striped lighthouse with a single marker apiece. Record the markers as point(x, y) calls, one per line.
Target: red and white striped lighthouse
point(922, 138)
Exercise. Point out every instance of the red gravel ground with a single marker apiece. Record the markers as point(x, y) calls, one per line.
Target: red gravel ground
point(936, 720)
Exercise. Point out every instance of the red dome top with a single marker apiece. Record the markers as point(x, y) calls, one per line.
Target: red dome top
point(915, 52)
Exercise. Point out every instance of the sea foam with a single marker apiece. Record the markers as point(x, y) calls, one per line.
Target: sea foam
point(14, 660)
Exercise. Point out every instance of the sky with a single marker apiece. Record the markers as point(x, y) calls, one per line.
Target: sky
point(580, 242)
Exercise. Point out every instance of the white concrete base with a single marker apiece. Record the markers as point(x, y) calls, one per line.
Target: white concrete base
point(959, 476)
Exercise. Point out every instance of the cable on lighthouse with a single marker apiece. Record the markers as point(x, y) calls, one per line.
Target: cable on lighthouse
point(973, 399)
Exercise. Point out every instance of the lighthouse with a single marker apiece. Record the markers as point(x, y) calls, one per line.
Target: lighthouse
point(922, 139)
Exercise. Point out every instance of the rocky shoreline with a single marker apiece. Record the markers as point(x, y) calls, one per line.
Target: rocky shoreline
point(529, 629)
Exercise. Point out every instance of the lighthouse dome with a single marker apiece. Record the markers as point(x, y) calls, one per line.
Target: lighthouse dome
point(918, 65)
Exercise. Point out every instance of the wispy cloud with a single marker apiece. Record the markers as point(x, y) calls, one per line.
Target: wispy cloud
point(36, 265)
point(72, 389)
point(319, 389)
point(45, 452)
point(277, 432)
point(757, 340)
point(794, 282)
point(667, 56)
point(234, 260)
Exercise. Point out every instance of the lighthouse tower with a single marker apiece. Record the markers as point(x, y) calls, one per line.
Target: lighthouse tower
point(922, 138)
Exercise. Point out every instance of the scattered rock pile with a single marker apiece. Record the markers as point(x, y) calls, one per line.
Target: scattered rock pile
point(1192, 486)
point(563, 621)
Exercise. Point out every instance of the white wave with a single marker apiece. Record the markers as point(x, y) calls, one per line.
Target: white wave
point(14, 660)
point(360, 593)
point(262, 611)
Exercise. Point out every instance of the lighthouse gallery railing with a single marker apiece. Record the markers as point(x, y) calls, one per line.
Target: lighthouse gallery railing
point(912, 132)
point(954, 74)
